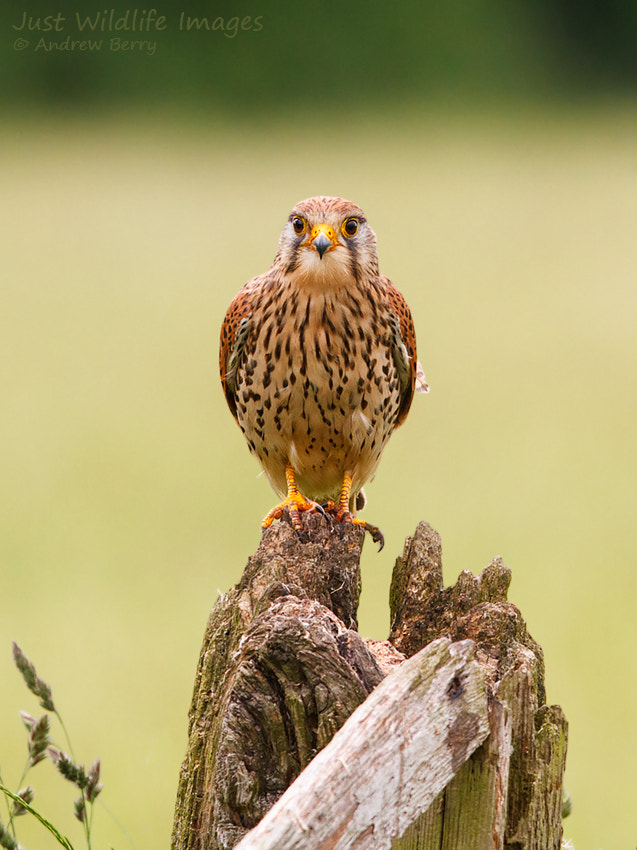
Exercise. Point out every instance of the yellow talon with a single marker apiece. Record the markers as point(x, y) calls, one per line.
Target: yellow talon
point(295, 503)
point(342, 512)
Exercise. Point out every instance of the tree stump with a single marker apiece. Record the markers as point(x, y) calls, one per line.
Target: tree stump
point(453, 748)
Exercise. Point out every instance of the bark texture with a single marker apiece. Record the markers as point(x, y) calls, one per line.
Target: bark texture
point(509, 794)
point(282, 668)
point(375, 792)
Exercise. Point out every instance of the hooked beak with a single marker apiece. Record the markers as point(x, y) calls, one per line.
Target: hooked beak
point(323, 238)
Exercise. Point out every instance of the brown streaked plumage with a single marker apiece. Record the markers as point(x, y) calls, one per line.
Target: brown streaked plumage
point(318, 361)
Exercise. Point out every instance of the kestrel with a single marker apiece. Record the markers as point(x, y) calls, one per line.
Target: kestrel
point(318, 362)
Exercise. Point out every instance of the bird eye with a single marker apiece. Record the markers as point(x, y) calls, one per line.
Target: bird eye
point(350, 226)
point(298, 225)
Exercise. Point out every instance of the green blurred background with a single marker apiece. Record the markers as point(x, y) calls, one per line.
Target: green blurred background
point(493, 147)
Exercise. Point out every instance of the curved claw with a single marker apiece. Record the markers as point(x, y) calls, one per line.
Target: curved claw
point(322, 509)
point(374, 532)
point(376, 535)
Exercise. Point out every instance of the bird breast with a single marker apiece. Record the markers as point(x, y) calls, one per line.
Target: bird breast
point(318, 386)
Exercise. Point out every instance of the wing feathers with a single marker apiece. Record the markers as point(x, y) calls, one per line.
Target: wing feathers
point(234, 333)
point(409, 369)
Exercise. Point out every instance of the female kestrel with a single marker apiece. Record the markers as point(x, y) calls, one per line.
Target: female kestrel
point(318, 362)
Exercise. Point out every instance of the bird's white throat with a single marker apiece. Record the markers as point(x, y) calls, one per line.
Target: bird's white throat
point(331, 272)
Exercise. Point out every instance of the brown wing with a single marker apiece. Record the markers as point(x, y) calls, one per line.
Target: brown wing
point(234, 332)
point(405, 348)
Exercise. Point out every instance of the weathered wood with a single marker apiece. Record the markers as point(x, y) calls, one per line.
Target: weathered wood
point(539, 735)
point(422, 608)
point(509, 794)
point(297, 676)
point(279, 672)
point(470, 813)
point(282, 669)
point(389, 761)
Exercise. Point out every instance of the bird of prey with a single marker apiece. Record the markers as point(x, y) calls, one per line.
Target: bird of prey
point(318, 362)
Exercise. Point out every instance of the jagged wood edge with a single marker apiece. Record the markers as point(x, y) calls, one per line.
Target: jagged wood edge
point(413, 732)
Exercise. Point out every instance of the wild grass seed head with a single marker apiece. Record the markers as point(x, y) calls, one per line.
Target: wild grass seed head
point(94, 786)
point(34, 683)
point(39, 739)
point(7, 840)
point(79, 809)
point(75, 773)
point(27, 794)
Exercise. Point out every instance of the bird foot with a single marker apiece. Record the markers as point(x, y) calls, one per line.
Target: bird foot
point(295, 504)
point(341, 514)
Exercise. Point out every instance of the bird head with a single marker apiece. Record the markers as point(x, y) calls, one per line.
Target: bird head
point(327, 241)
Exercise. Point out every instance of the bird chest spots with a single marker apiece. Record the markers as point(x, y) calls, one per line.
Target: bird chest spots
point(250, 395)
point(326, 319)
point(324, 418)
point(311, 361)
point(353, 305)
point(266, 337)
point(331, 356)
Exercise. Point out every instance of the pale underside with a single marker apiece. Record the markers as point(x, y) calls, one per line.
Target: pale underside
point(327, 405)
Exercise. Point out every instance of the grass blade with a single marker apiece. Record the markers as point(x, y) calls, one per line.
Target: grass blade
point(62, 839)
